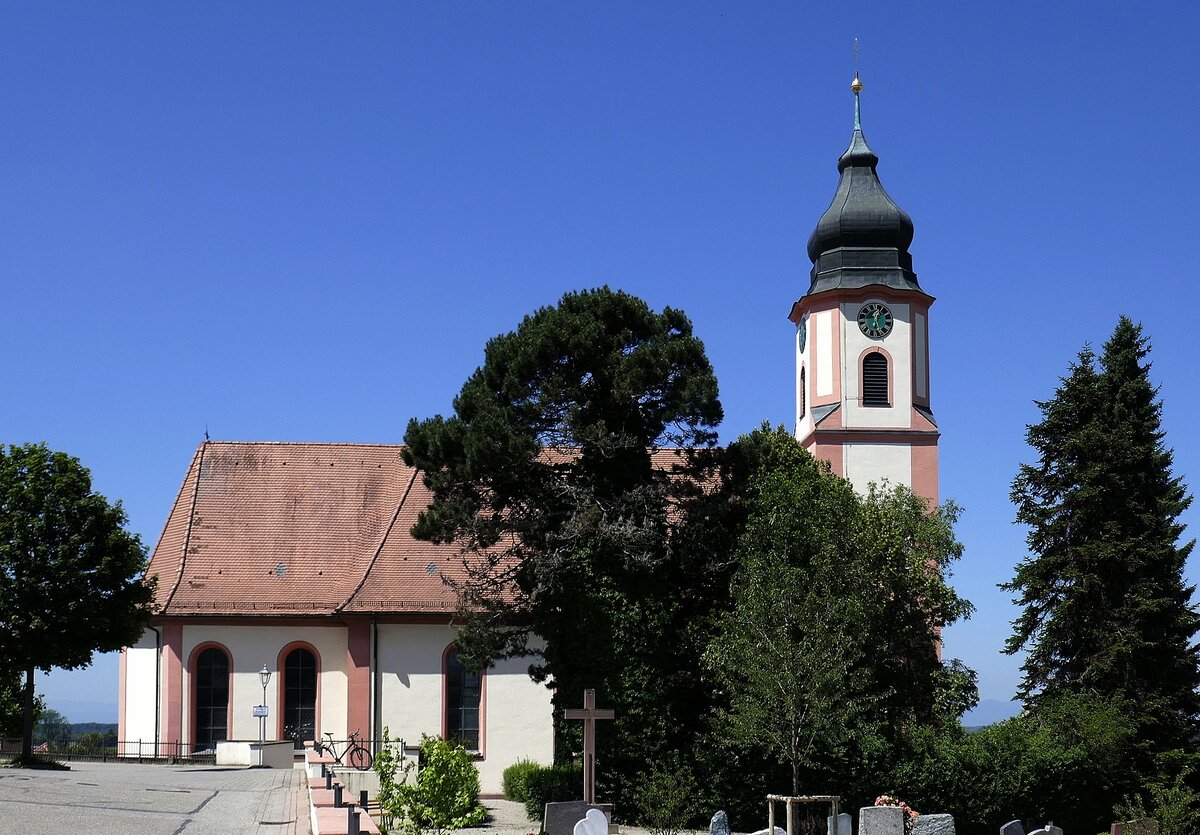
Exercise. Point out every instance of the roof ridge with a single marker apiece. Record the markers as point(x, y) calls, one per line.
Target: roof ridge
point(305, 443)
point(382, 539)
point(198, 461)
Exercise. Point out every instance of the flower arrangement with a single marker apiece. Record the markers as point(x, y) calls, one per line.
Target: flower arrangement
point(910, 814)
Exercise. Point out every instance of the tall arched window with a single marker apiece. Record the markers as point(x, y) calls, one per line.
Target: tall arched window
point(875, 380)
point(211, 671)
point(300, 696)
point(464, 691)
point(803, 395)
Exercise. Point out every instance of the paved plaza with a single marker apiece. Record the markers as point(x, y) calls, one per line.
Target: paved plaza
point(132, 799)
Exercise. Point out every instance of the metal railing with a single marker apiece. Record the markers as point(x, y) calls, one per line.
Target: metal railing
point(134, 750)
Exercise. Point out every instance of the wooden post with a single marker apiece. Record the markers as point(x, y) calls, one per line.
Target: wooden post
point(589, 714)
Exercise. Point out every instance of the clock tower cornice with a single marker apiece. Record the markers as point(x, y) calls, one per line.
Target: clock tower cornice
point(858, 294)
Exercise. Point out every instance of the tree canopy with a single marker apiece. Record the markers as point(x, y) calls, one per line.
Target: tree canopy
point(69, 571)
point(831, 643)
point(1106, 610)
point(557, 477)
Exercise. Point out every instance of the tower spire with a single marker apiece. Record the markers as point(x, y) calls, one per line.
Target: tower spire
point(856, 86)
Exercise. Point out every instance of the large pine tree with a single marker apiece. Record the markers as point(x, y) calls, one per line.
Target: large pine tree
point(1106, 608)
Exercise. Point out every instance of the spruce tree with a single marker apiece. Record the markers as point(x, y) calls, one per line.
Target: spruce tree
point(1106, 608)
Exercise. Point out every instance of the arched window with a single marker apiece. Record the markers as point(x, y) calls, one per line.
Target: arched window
point(211, 675)
point(803, 396)
point(300, 696)
point(464, 691)
point(875, 380)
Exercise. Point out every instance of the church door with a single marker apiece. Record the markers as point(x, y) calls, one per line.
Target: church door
point(212, 699)
point(300, 696)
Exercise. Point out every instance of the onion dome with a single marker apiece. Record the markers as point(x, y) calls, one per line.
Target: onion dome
point(863, 237)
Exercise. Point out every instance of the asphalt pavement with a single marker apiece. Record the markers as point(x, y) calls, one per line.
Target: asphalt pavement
point(132, 799)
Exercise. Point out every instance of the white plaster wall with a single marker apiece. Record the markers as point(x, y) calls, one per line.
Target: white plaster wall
point(410, 672)
point(517, 718)
point(518, 721)
point(866, 463)
point(140, 706)
point(898, 345)
point(252, 646)
point(821, 323)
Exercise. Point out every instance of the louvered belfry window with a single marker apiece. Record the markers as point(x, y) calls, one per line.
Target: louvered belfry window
point(875, 380)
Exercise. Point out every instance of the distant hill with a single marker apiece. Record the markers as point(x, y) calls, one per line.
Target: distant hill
point(80, 728)
point(990, 711)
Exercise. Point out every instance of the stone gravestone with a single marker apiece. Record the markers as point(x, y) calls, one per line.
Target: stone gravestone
point(594, 823)
point(933, 825)
point(560, 818)
point(719, 825)
point(1048, 829)
point(1145, 826)
point(841, 825)
point(1012, 828)
point(880, 820)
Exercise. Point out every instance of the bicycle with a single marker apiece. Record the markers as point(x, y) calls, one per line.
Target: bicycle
point(354, 751)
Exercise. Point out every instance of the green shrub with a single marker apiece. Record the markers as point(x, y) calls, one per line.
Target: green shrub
point(552, 784)
point(445, 794)
point(665, 798)
point(515, 777)
point(1169, 798)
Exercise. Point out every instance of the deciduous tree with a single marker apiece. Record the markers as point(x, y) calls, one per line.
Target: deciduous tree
point(830, 645)
point(69, 571)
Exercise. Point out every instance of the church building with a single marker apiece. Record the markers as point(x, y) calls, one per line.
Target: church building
point(297, 559)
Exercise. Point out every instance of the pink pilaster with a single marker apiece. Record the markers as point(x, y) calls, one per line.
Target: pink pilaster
point(172, 693)
point(358, 677)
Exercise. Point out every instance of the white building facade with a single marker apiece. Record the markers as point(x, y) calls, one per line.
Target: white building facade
point(297, 558)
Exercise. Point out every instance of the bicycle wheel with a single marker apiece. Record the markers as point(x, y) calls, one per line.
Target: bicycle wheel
point(360, 758)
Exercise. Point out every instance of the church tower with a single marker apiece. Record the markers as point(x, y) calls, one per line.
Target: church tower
point(862, 337)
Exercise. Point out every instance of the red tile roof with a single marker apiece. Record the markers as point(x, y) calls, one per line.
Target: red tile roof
point(303, 529)
point(299, 529)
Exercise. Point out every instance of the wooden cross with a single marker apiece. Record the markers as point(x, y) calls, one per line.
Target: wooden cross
point(589, 714)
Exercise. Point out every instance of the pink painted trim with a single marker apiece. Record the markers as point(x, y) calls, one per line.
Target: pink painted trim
point(191, 674)
point(881, 436)
point(862, 294)
point(483, 677)
point(172, 730)
point(831, 453)
point(358, 677)
point(121, 673)
point(280, 686)
point(925, 472)
point(319, 621)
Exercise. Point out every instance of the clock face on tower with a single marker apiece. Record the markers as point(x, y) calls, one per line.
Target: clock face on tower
point(875, 320)
point(803, 331)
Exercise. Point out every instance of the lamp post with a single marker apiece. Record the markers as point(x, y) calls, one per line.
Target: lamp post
point(264, 675)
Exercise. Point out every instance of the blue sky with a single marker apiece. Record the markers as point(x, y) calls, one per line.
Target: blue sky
point(290, 221)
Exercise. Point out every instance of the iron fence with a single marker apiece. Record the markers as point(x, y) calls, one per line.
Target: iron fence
point(135, 750)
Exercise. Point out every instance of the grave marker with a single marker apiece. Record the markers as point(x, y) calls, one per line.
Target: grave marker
point(880, 820)
point(589, 714)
